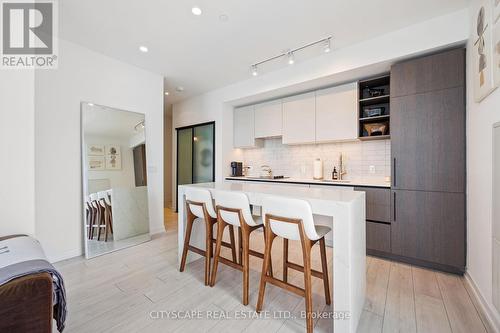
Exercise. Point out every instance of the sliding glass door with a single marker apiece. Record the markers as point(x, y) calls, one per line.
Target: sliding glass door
point(196, 154)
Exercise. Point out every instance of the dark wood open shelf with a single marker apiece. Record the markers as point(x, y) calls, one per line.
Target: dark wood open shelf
point(374, 137)
point(375, 100)
point(367, 101)
point(376, 118)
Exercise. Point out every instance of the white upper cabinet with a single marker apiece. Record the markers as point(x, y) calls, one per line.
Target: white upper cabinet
point(299, 119)
point(243, 129)
point(268, 119)
point(337, 113)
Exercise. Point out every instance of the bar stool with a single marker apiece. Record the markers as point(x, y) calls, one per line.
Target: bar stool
point(96, 214)
point(199, 207)
point(233, 209)
point(106, 214)
point(292, 219)
point(89, 214)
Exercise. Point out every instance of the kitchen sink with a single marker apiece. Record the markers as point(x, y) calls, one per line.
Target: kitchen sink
point(335, 181)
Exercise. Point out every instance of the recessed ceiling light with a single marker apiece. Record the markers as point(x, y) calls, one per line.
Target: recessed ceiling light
point(223, 18)
point(143, 48)
point(166, 93)
point(179, 89)
point(196, 11)
point(90, 104)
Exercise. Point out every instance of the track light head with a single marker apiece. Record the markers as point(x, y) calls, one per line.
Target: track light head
point(291, 58)
point(254, 70)
point(328, 46)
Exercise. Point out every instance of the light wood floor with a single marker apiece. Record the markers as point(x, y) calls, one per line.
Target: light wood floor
point(124, 290)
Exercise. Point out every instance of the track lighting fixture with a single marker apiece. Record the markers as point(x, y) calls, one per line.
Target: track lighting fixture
point(290, 54)
point(140, 126)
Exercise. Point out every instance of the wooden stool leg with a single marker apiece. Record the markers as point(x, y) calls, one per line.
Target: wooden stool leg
point(106, 223)
point(324, 265)
point(270, 256)
point(187, 237)
point(246, 261)
point(285, 260)
point(99, 222)
point(240, 247)
point(233, 242)
point(208, 249)
point(269, 236)
point(220, 232)
point(306, 248)
point(91, 226)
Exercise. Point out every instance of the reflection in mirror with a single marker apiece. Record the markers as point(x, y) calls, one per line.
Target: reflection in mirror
point(114, 179)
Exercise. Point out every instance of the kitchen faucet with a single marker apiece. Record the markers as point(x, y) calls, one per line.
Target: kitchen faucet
point(342, 171)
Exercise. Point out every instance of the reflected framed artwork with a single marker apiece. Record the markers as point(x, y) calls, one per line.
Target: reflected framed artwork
point(113, 162)
point(95, 150)
point(112, 150)
point(96, 163)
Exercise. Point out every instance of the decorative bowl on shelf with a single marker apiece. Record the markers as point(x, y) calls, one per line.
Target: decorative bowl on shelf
point(376, 129)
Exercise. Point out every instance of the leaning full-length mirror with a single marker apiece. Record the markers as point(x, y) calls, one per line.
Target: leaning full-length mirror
point(115, 196)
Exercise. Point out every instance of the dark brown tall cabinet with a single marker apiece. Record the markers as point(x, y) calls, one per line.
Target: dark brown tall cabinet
point(428, 160)
point(140, 171)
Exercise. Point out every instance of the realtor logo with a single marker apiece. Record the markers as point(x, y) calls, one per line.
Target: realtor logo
point(28, 34)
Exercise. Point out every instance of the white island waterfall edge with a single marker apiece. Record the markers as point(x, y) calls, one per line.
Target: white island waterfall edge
point(347, 210)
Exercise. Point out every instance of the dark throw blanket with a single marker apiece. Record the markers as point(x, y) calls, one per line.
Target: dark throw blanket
point(35, 266)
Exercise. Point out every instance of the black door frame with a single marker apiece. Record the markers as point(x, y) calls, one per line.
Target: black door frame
point(192, 156)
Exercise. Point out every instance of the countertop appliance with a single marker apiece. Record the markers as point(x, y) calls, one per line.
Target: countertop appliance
point(236, 169)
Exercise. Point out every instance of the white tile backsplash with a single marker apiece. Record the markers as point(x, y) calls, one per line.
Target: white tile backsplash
point(297, 160)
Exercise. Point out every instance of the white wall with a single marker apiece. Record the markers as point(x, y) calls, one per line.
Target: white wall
point(117, 178)
point(167, 155)
point(84, 75)
point(480, 119)
point(335, 66)
point(17, 144)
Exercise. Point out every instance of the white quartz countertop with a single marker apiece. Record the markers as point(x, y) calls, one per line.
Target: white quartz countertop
point(354, 182)
point(306, 193)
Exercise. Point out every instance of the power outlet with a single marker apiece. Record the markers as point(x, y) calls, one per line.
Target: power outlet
point(372, 169)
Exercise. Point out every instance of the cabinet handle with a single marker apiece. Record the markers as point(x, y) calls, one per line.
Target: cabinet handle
point(394, 205)
point(394, 172)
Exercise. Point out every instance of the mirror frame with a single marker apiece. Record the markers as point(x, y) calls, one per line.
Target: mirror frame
point(84, 179)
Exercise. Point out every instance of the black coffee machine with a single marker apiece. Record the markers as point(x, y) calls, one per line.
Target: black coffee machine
point(236, 169)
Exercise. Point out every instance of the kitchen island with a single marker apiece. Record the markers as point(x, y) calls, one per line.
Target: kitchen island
point(346, 209)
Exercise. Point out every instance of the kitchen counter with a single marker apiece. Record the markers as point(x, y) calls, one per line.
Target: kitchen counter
point(345, 212)
point(349, 183)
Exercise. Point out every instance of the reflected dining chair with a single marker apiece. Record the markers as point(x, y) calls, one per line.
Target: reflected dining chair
point(233, 209)
point(292, 219)
point(200, 208)
point(105, 220)
point(96, 214)
point(89, 209)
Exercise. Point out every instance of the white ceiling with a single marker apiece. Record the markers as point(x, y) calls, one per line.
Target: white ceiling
point(202, 53)
point(109, 122)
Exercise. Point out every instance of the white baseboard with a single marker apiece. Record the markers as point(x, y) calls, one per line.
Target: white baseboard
point(489, 315)
point(157, 231)
point(65, 256)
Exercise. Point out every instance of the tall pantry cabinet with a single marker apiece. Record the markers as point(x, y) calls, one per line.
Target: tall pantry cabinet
point(428, 160)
